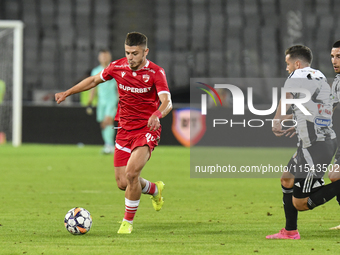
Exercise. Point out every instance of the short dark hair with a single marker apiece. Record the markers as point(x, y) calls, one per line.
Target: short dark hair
point(104, 50)
point(336, 44)
point(136, 39)
point(301, 52)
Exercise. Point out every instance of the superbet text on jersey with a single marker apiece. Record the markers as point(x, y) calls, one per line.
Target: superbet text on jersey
point(138, 91)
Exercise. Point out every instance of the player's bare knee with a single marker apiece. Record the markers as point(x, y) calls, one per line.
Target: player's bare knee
point(333, 179)
point(121, 187)
point(132, 177)
point(287, 182)
point(121, 184)
point(297, 205)
point(300, 205)
point(333, 176)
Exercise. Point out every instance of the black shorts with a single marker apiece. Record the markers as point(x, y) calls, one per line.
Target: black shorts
point(309, 165)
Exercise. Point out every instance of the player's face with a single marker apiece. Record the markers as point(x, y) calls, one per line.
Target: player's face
point(291, 64)
point(104, 58)
point(136, 56)
point(335, 58)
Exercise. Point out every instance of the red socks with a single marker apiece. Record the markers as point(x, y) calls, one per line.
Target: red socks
point(131, 207)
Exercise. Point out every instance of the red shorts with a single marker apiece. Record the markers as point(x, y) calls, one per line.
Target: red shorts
point(128, 140)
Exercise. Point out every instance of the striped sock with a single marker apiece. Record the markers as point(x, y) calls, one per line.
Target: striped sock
point(131, 207)
point(150, 188)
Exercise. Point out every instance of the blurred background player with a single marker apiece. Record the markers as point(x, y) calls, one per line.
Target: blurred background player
point(144, 99)
point(85, 95)
point(303, 185)
point(334, 174)
point(107, 102)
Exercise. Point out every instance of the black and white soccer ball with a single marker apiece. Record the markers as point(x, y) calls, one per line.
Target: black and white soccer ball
point(78, 221)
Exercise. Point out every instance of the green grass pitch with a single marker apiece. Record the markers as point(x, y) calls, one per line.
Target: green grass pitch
point(40, 183)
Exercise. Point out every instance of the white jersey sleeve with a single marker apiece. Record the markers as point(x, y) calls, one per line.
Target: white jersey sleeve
point(336, 90)
point(318, 125)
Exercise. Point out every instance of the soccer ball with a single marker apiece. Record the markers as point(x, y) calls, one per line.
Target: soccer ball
point(78, 221)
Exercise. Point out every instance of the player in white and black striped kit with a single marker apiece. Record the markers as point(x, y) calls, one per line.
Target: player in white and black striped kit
point(334, 172)
point(303, 186)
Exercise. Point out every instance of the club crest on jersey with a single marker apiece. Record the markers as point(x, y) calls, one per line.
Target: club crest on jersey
point(323, 109)
point(123, 73)
point(146, 77)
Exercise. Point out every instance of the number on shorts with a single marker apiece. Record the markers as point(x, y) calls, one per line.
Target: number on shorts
point(149, 137)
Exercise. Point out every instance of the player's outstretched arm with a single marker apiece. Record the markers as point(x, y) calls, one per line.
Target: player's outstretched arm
point(86, 84)
point(162, 111)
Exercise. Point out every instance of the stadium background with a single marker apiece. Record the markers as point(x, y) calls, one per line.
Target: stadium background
point(188, 38)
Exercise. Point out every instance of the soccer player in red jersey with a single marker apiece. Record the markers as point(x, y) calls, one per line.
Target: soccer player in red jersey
point(144, 99)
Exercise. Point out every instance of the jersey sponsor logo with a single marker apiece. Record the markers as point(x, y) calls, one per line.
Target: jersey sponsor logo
point(146, 77)
point(120, 66)
point(134, 90)
point(149, 70)
point(123, 73)
point(323, 122)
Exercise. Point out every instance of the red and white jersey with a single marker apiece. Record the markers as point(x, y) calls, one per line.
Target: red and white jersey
point(138, 91)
